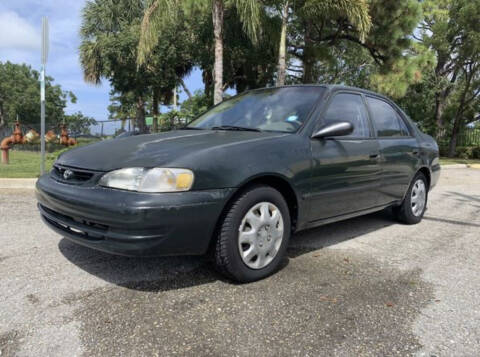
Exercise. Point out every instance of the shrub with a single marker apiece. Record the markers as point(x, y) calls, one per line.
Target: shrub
point(476, 152)
point(468, 152)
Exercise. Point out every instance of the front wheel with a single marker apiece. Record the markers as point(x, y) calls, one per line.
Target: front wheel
point(253, 235)
point(415, 202)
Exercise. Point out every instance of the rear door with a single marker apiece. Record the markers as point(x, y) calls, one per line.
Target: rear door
point(345, 170)
point(399, 149)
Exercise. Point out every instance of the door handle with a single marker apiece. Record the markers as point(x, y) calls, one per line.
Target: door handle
point(415, 152)
point(373, 156)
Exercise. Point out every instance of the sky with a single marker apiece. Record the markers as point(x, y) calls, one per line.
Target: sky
point(20, 42)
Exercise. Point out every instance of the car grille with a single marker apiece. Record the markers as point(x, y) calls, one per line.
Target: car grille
point(71, 175)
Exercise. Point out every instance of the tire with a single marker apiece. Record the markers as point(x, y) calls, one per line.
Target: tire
point(240, 237)
point(411, 212)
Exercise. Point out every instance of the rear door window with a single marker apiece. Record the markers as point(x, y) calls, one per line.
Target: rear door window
point(386, 120)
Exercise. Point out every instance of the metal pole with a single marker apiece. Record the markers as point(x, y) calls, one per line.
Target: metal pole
point(42, 120)
point(175, 97)
point(42, 93)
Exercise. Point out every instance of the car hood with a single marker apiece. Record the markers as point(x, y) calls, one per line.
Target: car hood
point(156, 150)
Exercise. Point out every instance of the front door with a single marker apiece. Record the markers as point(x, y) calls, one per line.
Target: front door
point(345, 170)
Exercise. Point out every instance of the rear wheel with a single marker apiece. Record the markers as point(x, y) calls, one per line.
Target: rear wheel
point(415, 202)
point(253, 235)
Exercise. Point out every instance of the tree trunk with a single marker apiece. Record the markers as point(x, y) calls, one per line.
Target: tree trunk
point(442, 95)
point(440, 103)
point(155, 111)
point(207, 77)
point(140, 115)
point(175, 104)
point(185, 88)
point(282, 60)
point(308, 54)
point(217, 17)
point(452, 147)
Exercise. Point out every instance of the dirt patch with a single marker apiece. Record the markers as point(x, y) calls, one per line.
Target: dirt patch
point(32, 298)
point(9, 342)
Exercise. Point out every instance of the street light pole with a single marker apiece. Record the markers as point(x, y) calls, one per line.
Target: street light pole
point(42, 93)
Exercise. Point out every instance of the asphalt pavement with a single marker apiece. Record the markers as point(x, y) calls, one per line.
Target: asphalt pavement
point(363, 287)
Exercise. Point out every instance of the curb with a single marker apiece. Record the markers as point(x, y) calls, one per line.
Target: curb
point(455, 166)
point(28, 183)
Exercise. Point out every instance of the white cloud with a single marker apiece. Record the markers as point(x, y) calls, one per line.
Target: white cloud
point(16, 33)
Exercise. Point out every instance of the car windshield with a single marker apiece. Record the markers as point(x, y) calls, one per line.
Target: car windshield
point(277, 109)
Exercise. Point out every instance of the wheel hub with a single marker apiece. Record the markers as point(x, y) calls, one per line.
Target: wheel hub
point(418, 197)
point(260, 235)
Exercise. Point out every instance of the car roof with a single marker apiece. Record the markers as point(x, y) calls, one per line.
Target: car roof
point(337, 87)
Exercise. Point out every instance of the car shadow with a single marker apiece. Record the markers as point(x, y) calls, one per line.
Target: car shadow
point(169, 273)
point(462, 198)
point(338, 232)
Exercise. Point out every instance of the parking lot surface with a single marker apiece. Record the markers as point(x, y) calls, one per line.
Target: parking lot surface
point(366, 286)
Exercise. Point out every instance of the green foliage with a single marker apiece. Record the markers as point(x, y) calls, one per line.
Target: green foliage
point(467, 152)
point(122, 105)
point(78, 123)
point(110, 34)
point(189, 110)
point(161, 15)
point(419, 102)
point(170, 121)
point(355, 12)
point(194, 106)
point(20, 96)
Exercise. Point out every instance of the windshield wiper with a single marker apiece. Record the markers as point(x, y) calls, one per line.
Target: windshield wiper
point(192, 128)
point(233, 127)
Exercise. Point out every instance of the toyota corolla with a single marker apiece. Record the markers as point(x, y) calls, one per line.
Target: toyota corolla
point(244, 176)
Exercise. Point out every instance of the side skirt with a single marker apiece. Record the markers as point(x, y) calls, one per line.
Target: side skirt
point(324, 221)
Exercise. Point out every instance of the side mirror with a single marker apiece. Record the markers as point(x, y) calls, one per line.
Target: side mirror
point(340, 128)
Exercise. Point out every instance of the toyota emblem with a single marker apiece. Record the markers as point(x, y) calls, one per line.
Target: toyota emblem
point(67, 174)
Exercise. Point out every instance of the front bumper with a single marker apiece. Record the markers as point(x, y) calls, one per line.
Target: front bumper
point(131, 223)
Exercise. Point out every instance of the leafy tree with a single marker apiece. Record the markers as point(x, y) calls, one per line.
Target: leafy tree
point(162, 14)
point(78, 123)
point(450, 30)
point(20, 96)
point(380, 29)
point(110, 33)
point(419, 101)
point(197, 104)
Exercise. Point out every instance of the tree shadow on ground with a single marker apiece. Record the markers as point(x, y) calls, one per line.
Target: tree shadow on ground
point(169, 273)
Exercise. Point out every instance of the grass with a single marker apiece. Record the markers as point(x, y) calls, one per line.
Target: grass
point(26, 164)
point(452, 161)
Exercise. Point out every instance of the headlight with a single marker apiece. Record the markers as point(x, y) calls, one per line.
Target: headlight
point(149, 180)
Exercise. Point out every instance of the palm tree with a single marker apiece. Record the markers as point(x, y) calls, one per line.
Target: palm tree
point(110, 33)
point(310, 11)
point(282, 51)
point(163, 13)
